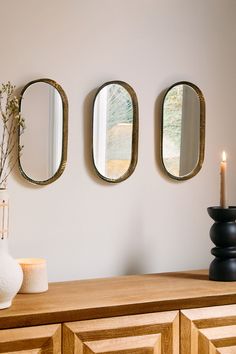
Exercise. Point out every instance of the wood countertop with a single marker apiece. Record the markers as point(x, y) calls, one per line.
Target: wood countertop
point(134, 294)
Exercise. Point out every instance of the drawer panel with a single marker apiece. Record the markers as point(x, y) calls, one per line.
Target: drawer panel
point(209, 330)
point(148, 333)
point(31, 340)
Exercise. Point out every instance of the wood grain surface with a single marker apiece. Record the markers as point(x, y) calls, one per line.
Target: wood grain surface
point(31, 340)
point(98, 298)
point(209, 330)
point(147, 333)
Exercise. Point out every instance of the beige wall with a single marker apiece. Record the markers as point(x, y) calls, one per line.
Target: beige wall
point(83, 226)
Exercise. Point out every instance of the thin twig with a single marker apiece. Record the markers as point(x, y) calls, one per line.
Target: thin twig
point(11, 120)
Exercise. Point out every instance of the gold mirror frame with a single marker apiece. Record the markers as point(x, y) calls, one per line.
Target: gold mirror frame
point(134, 154)
point(62, 165)
point(202, 132)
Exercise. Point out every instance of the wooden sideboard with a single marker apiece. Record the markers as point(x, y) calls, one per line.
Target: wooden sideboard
point(166, 313)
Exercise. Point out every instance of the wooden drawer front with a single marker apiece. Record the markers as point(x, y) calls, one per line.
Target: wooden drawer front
point(150, 333)
point(209, 330)
point(31, 340)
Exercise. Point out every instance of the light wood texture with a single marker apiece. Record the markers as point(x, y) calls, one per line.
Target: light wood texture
point(210, 330)
point(227, 350)
point(149, 333)
point(31, 340)
point(88, 299)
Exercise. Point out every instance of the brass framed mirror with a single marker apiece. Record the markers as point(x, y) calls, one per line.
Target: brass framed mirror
point(115, 131)
point(183, 130)
point(44, 106)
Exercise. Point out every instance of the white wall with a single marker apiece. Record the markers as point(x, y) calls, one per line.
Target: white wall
point(82, 225)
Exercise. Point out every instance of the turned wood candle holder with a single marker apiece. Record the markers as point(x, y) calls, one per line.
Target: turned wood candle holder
point(223, 235)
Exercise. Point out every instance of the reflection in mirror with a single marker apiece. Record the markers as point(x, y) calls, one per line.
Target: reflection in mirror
point(44, 107)
point(183, 130)
point(115, 131)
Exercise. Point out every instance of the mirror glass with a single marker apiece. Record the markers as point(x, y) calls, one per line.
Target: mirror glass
point(42, 107)
point(115, 131)
point(183, 130)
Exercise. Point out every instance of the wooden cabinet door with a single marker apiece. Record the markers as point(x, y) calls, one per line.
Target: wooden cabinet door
point(31, 340)
point(156, 333)
point(209, 330)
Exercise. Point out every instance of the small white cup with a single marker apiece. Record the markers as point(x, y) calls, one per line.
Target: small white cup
point(35, 279)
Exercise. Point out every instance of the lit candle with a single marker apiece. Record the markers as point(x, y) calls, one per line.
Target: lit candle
point(223, 166)
point(35, 278)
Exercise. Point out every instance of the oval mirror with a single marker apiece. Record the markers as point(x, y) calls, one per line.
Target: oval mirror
point(115, 131)
point(44, 106)
point(183, 130)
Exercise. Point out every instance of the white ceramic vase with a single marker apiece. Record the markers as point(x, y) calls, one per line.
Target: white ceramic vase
point(11, 275)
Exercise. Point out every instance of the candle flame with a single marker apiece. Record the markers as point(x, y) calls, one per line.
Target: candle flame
point(224, 156)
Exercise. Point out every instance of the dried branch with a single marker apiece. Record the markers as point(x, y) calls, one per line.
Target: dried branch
point(11, 120)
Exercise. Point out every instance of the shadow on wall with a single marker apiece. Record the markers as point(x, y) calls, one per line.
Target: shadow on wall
point(136, 250)
point(135, 262)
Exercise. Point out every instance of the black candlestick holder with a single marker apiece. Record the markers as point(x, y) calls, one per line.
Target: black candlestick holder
point(223, 235)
